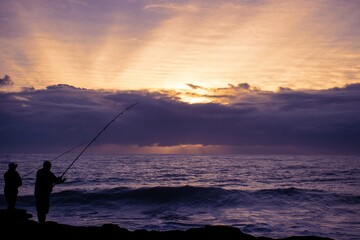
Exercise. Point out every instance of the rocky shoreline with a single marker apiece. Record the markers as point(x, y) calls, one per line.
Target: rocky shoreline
point(18, 224)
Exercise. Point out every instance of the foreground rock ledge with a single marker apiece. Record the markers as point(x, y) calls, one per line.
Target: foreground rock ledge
point(17, 224)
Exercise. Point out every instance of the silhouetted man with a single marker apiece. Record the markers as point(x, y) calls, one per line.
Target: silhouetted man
point(12, 182)
point(45, 181)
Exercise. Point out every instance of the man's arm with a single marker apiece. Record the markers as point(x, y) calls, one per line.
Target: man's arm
point(19, 180)
point(59, 180)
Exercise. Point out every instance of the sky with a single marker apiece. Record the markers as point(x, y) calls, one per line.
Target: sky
point(244, 76)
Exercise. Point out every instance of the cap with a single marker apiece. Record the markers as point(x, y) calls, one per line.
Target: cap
point(12, 165)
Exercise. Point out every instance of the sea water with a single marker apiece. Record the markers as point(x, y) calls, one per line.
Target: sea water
point(263, 195)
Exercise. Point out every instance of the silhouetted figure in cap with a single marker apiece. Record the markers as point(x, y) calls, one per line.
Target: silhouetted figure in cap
point(12, 182)
point(45, 181)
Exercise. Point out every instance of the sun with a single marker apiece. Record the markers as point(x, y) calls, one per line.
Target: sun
point(191, 92)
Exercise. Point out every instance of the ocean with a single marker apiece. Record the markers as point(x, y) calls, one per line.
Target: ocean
point(263, 195)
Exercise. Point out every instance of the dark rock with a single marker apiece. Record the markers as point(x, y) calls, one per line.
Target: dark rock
point(16, 215)
point(17, 224)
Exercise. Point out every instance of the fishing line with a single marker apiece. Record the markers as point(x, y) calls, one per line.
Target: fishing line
point(98, 136)
point(56, 158)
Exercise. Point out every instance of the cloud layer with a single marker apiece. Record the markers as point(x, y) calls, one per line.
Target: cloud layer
point(251, 120)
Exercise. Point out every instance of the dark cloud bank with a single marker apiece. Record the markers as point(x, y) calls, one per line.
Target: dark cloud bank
point(62, 116)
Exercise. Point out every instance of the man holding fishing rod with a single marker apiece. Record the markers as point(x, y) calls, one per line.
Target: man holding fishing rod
point(45, 181)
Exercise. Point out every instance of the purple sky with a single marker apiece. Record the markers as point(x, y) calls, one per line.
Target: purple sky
point(230, 76)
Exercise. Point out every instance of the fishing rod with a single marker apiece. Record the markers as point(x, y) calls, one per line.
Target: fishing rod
point(133, 105)
point(57, 157)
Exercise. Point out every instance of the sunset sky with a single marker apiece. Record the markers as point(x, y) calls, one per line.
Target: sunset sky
point(230, 76)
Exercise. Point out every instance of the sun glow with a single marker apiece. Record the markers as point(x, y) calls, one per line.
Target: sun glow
point(178, 149)
point(210, 45)
point(192, 99)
